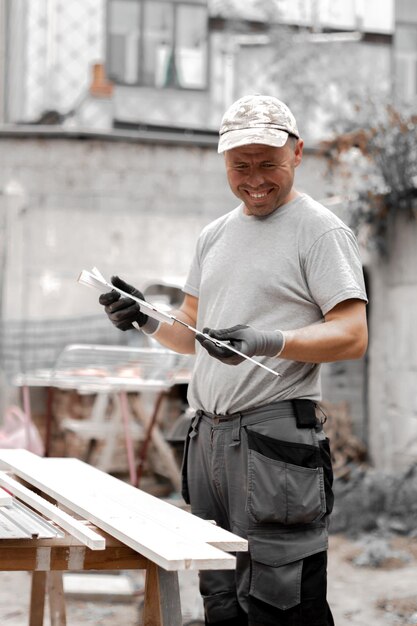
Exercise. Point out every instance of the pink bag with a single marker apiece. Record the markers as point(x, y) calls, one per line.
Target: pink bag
point(19, 431)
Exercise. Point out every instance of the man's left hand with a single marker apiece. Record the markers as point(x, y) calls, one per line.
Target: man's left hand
point(246, 339)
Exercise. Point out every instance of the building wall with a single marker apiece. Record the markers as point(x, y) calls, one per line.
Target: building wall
point(52, 47)
point(337, 82)
point(130, 208)
point(392, 354)
point(371, 15)
point(405, 51)
point(405, 11)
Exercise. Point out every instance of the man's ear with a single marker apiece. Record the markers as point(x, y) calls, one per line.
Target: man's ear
point(298, 152)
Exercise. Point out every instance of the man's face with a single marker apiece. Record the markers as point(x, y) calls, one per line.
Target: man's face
point(262, 176)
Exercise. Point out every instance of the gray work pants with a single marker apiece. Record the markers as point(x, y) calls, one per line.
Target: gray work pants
point(263, 478)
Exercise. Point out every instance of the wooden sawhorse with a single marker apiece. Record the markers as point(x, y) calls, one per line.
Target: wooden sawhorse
point(47, 559)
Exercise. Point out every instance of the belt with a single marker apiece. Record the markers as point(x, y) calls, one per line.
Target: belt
point(285, 407)
point(237, 420)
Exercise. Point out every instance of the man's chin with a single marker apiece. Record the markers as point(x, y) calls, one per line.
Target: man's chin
point(259, 210)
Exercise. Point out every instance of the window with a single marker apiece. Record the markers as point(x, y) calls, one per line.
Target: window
point(158, 43)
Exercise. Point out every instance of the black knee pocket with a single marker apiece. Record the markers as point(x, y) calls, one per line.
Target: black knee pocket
point(293, 594)
point(277, 563)
point(278, 586)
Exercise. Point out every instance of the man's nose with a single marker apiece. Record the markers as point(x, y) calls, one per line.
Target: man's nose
point(255, 177)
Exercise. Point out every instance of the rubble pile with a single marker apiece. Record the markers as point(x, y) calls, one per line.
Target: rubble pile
point(403, 608)
point(378, 551)
point(371, 499)
point(348, 451)
point(365, 498)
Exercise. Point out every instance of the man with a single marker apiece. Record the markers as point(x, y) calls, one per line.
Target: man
point(279, 278)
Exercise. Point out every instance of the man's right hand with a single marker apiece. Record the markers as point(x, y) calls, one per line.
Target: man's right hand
point(122, 311)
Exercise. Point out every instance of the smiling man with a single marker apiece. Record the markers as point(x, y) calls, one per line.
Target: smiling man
point(279, 278)
point(262, 176)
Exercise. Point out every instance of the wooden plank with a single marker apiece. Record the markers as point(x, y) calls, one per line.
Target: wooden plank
point(65, 521)
point(67, 554)
point(70, 484)
point(162, 598)
point(148, 506)
point(56, 599)
point(9, 530)
point(5, 498)
point(20, 520)
point(37, 599)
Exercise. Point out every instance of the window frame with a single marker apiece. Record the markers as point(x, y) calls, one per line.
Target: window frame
point(175, 4)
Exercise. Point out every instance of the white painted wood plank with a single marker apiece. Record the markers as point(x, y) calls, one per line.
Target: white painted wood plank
point(154, 509)
point(147, 505)
point(9, 530)
point(169, 549)
point(88, 537)
point(5, 498)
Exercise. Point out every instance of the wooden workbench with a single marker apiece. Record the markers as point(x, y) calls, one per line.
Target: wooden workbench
point(47, 559)
point(140, 532)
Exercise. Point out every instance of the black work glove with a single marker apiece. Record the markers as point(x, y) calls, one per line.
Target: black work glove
point(245, 339)
point(123, 311)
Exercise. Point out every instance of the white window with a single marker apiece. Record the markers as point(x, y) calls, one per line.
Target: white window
point(158, 43)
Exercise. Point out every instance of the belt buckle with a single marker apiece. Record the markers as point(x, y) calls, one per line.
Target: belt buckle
point(218, 419)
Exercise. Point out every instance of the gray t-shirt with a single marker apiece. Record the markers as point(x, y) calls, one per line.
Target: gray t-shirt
point(283, 271)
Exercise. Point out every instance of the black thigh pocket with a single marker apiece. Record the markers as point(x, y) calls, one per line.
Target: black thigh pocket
point(285, 481)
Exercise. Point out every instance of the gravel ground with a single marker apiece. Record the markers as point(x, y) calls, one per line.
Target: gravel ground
point(15, 594)
point(360, 593)
point(373, 595)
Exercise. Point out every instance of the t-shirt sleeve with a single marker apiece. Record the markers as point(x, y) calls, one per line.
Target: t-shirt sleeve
point(192, 283)
point(334, 270)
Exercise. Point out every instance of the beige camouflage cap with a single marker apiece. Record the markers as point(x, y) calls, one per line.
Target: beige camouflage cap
point(256, 119)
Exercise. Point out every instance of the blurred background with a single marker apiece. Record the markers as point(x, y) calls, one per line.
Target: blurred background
point(109, 117)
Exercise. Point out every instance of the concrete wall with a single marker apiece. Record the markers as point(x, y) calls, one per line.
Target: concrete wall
point(128, 208)
point(393, 354)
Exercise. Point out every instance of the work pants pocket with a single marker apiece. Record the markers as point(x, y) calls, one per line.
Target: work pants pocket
point(285, 481)
point(277, 586)
point(288, 573)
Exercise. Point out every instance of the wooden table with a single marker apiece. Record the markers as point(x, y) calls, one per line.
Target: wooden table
point(140, 532)
point(47, 559)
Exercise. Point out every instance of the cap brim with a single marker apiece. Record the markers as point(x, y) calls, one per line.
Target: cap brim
point(267, 136)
